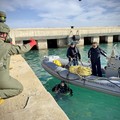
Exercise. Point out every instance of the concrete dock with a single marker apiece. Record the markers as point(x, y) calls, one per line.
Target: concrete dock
point(60, 37)
point(34, 103)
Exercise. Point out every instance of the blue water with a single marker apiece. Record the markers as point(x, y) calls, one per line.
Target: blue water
point(85, 104)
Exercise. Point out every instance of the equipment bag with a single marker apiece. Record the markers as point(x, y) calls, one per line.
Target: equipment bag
point(80, 70)
point(57, 62)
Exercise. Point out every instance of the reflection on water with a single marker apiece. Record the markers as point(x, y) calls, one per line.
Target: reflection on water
point(84, 104)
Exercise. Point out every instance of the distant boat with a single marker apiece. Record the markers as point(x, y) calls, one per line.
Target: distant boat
point(109, 84)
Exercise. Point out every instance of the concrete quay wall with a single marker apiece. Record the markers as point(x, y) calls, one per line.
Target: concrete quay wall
point(60, 36)
point(34, 103)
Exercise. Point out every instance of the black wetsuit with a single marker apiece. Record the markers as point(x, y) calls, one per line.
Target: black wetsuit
point(94, 55)
point(62, 89)
point(74, 54)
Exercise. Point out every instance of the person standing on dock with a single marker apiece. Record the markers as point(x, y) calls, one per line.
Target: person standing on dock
point(73, 54)
point(94, 55)
point(9, 86)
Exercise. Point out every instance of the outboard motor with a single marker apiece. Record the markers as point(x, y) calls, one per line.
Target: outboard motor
point(113, 65)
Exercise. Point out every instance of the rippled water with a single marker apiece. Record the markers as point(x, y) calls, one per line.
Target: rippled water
point(85, 104)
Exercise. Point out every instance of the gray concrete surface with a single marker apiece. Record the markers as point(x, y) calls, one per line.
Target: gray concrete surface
point(34, 103)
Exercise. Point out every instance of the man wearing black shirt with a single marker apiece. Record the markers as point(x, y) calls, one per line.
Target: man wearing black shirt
point(73, 54)
point(94, 55)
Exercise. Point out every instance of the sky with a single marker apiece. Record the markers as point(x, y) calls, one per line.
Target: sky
point(61, 13)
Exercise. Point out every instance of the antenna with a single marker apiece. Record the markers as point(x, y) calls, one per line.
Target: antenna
point(113, 51)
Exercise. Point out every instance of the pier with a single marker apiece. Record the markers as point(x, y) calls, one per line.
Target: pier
point(34, 103)
point(59, 37)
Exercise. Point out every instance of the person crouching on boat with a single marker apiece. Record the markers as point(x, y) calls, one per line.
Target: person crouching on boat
point(73, 54)
point(62, 88)
point(94, 55)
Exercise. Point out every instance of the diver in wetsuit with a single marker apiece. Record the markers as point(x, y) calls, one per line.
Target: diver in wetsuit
point(94, 54)
point(73, 54)
point(62, 88)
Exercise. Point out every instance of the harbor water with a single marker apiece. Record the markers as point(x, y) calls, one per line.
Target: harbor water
point(85, 104)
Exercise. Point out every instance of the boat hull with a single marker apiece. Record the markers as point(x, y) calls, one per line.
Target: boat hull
point(101, 84)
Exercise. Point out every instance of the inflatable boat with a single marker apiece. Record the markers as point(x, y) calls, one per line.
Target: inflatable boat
point(109, 84)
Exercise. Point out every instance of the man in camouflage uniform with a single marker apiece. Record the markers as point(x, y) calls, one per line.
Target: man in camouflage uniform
point(9, 86)
point(2, 16)
point(3, 20)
